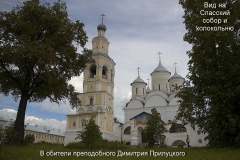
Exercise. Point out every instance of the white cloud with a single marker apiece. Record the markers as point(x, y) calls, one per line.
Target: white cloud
point(9, 114)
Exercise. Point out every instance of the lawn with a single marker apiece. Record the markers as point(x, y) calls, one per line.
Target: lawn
point(32, 152)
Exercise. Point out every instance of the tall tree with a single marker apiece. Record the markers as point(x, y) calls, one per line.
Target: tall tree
point(90, 133)
point(38, 55)
point(155, 129)
point(210, 97)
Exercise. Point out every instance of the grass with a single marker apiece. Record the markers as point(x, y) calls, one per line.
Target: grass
point(32, 152)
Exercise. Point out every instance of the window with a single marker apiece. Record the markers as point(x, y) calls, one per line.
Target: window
point(159, 87)
point(127, 130)
point(91, 101)
point(136, 90)
point(143, 90)
point(178, 143)
point(166, 88)
point(176, 86)
point(93, 71)
point(74, 124)
point(176, 128)
point(104, 72)
point(199, 141)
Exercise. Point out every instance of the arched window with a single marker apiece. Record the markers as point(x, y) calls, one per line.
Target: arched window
point(176, 128)
point(178, 143)
point(127, 130)
point(104, 72)
point(93, 71)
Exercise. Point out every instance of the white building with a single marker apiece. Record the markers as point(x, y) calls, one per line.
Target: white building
point(97, 99)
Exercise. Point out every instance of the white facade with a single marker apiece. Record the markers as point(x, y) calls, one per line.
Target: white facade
point(162, 97)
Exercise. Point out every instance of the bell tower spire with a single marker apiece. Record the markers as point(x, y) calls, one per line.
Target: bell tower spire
point(100, 43)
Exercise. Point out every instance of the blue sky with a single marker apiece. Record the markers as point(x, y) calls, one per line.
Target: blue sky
point(137, 31)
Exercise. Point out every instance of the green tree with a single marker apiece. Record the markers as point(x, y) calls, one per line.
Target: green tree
point(29, 138)
point(210, 96)
point(155, 129)
point(9, 132)
point(90, 134)
point(38, 55)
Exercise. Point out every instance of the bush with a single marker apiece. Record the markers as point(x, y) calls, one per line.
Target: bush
point(100, 144)
point(29, 138)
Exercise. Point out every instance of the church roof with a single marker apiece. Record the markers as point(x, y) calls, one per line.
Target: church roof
point(176, 75)
point(101, 27)
point(138, 80)
point(148, 90)
point(160, 68)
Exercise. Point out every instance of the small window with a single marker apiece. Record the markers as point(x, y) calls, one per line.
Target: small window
point(136, 90)
point(91, 101)
point(176, 128)
point(74, 124)
point(143, 90)
point(159, 87)
point(199, 141)
point(166, 88)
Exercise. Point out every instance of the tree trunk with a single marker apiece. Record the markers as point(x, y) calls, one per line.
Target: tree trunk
point(19, 124)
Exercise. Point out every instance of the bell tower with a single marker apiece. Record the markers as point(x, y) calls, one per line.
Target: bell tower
point(97, 98)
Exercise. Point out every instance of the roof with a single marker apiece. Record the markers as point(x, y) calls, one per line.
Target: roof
point(148, 90)
point(160, 68)
point(176, 75)
point(37, 128)
point(101, 27)
point(138, 80)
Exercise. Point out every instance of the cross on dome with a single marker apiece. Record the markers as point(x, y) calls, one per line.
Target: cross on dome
point(102, 17)
point(159, 54)
point(138, 70)
point(175, 66)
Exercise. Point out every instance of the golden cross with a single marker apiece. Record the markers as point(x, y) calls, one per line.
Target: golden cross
point(159, 54)
point(138, 70)
point(175, 66)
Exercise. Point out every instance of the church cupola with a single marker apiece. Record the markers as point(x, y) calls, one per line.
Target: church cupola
point(138, 86)
point(148, 90)
point(160, 77)
point(100, 43)
point(176, 80)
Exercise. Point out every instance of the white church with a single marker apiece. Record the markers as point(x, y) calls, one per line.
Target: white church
point(98, 99)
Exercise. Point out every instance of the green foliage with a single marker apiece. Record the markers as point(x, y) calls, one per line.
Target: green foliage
point(90, 133)
point(155, 129)
point(9, 133)
point(29, 138)
point(210, 97)
point(100, 144)
point(38, 55)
